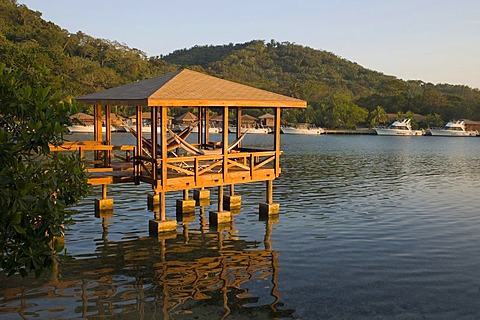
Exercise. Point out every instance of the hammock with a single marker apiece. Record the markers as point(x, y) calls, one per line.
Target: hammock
point(196, 151)
point(171, 142)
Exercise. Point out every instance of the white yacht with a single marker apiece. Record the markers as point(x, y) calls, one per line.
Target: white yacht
point(303, 128)
point(87, 128)
point(399, 128)
point(453, 129)
point(253, 130)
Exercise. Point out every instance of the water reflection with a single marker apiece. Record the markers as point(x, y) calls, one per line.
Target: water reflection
point(209, 273)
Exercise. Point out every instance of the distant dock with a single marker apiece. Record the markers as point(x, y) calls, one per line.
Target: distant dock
point(358, 131)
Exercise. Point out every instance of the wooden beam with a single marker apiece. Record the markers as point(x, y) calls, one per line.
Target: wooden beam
point(225, 145)
point(163, 111)
point(154, 138)
point(139, 150)
point(239, 122)
point(277, 141)
point(108, 134)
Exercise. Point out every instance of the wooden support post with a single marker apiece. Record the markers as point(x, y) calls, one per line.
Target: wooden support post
point(220, 198)
point(220, 216)
point(108, 135)
point(201, 196)
point(277, 141)
point(154, 138)
point(269, 208)
point(103, 204)
point(232, 202)
point(225, 146)
point(164, 176)
point(97, 128)
point(239, 122)
point(269, 197)
point(185, 205)
point(200, 125)
point(154, 201)
point(160, 224)
point(139, 149)
point(207, 125)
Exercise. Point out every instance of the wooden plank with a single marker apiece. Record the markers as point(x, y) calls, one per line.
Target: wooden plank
point(109, 169)
point(100, 180)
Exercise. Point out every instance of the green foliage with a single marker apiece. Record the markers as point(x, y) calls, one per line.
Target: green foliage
point(317, 76)
point(378, 116)
point(342, 113)
point(35, 186)
point(433, 121)
point(80, 64)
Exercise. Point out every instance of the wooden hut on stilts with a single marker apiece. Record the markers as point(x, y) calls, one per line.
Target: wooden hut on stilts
point(173, 164)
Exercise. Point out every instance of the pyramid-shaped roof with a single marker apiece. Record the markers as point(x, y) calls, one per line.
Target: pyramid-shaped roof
point(188, 116)
point(187, 88)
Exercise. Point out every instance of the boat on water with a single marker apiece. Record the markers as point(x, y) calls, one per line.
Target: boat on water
point(195, 129)
point(399, 128)
point(453, 129)
point(88, 128)
point(252, 130)
point(210, 130)
point(302, 128)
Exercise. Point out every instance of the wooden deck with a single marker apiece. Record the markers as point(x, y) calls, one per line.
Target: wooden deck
point(109, 164)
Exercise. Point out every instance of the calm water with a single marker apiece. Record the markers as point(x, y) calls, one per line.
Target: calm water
point(370, 228)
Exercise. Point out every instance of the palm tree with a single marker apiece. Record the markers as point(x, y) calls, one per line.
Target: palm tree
point(378, 116)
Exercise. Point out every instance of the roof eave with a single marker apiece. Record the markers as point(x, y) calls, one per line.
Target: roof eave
point(228, 103)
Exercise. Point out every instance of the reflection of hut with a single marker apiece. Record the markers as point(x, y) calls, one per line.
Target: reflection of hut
point(82, 118)
point(267, 120)
point(186, 119)
point(189, 271)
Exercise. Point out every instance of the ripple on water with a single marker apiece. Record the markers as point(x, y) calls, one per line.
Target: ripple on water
point(370, 228)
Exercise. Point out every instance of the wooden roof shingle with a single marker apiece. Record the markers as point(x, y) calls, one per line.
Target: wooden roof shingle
point(187, 88)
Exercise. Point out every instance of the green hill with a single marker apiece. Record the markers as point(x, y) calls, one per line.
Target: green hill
point(340, 93)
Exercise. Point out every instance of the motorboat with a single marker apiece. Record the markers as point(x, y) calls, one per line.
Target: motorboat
point(88, 128)
point(302, 128)
point(253, 130)
point(453, 129)
point(211, 129)
point(399, 128)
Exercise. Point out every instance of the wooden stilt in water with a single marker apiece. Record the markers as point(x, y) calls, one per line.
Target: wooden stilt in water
point(269, 208)
point(153, 201)
point(103, 204)
point(160, 224)
point(201, 196)
point(232, 202)
point(220, 216)
point(185, 205)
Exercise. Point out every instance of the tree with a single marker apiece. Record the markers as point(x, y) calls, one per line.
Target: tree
point(433, 120)
point(343, 113)
point(35, 185)
point(378, 116)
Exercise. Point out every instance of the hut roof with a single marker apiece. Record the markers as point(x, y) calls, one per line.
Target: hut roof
point(187, 88)
point(81, 116)
point(217, 118)
point(188, 116)
point(247, 117)
point(267, 116)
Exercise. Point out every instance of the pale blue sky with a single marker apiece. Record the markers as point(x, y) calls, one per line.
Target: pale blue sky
point(431, 40)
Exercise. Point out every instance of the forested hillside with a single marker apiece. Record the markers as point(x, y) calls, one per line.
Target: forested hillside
point(340, 93)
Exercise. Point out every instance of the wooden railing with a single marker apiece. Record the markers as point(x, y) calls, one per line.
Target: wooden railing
point(99, 158)
point(209, 170)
